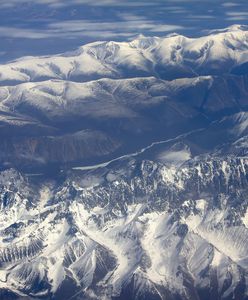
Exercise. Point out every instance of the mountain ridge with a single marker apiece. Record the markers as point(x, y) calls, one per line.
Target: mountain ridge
point(168, 58)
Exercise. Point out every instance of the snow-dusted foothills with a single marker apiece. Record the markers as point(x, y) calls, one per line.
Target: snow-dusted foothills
point(68, 122)
point(124, 171)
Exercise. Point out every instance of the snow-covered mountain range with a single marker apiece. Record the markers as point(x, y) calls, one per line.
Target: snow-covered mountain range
point(131, 231)
point(174, 56)
point(124, 171)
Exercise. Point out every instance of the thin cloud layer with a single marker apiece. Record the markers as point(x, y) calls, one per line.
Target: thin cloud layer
point(45, 26)
point(66, 3)
point(82, 28)
point(237, 16)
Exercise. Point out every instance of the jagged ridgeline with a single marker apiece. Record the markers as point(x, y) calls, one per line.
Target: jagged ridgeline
point(124, 171)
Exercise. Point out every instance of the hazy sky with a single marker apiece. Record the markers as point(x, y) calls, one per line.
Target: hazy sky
point(41, 27)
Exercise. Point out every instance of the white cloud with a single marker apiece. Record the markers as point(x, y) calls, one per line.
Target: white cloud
point(236, 16)
point(13, 32)
point(237, 13)
point(230, 4)
point(130, 25)
point(130, 17)
point(200, 17)
point(64, 3)
point(125, 24)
